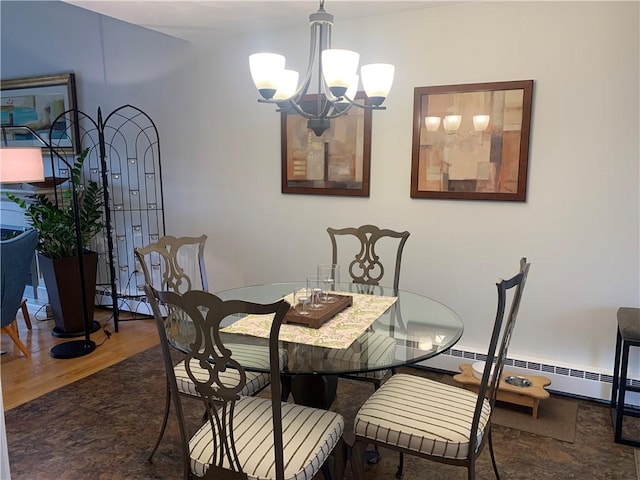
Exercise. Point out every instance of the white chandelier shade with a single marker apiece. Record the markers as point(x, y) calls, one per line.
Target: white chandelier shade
point(286, 85)
point(266, 71)
point(377, 79)
point(334, 72)
point(338, 67)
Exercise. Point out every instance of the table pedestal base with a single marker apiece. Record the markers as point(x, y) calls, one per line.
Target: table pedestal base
point(318, 391)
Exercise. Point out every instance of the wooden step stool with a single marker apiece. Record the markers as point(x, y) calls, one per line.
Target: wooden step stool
point(525, 396)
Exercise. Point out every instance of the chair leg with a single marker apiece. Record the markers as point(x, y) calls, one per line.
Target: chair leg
point(493, 458)
point(358, 459)
point(11, 330)
point(326, 471)
point(25, 313)
point(340, 459)
point(167, 406)
point(339, 456)
point(373, 456)
point(400, 471)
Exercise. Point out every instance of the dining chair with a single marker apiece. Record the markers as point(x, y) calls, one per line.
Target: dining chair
point(243, 437)
point(437, 421)
point(165, 265)
point(367, 271)
point(16, 254)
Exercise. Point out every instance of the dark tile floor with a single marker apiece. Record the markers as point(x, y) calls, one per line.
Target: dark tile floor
point(102, 428)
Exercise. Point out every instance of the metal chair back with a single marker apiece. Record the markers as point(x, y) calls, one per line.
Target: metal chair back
point(165, 263)
point(367, 268)
point(205, 312)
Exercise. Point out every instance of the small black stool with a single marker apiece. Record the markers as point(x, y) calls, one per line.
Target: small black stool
point(628, 336)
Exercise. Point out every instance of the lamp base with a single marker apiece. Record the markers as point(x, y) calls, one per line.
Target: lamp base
point(73, 349)
point(56, 332)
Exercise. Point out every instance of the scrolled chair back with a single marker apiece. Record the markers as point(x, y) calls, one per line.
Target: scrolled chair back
point(367, 269)
point(205, 313)
point(166, 263)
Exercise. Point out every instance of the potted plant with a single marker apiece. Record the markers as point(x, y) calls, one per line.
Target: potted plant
point(57, 247)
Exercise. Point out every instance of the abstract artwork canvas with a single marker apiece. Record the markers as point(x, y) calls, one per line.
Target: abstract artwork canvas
point(471, 141)
point(334, 163)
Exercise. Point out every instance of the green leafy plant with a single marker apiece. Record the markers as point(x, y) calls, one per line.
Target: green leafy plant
point(55, 222)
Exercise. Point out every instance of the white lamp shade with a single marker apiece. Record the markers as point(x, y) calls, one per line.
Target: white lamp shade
point(266, 69)
point(287, 85)
point(377, 79)
point(480, 122)
point(21, 164)
point(339, 66)
point(451, 123)
point(432, 123)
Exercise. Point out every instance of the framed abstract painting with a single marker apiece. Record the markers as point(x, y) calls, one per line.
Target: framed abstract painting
point(334, 163)
point(471, 141)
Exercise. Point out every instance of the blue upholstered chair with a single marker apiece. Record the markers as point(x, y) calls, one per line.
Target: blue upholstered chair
point(16, 255)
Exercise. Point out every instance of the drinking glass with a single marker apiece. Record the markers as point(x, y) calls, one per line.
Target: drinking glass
point(314, 285)
point(301, 300)
point(330, 276)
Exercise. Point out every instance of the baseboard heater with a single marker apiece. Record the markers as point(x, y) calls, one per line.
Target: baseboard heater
point(567, 380)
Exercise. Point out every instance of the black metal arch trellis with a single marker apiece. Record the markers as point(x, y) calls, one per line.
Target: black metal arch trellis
point(124, 157)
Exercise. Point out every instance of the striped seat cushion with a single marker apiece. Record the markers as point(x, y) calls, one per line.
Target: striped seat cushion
point(421, 415)
point(309, 436)
point(254, 355)
point(374, 348)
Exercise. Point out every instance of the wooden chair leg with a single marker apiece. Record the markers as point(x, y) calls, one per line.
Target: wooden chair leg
point(25, 313)
point(12, 332)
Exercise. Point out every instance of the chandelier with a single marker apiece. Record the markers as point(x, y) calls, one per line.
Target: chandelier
point(334, 73)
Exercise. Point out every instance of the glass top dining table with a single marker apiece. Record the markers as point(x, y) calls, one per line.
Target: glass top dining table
point(414, 328)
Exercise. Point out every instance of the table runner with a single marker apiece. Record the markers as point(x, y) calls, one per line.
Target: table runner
point(339, 332)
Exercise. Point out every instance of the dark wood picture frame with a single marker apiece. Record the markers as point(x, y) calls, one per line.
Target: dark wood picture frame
point(38, 102)
point(471, 141)
point(336, 163)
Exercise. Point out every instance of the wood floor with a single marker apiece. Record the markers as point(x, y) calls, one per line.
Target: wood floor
point(24, 379)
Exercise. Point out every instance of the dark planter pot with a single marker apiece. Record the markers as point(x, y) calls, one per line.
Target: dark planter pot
point(62, 279)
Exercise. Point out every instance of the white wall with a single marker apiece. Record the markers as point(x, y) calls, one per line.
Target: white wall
point(580, 226)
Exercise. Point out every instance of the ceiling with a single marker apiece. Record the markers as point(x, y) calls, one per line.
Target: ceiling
point(194, 20)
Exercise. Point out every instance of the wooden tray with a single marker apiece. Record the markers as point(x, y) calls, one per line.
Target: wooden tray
point(317, 318)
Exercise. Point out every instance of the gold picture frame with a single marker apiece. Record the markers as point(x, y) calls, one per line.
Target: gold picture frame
point(471, 141)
